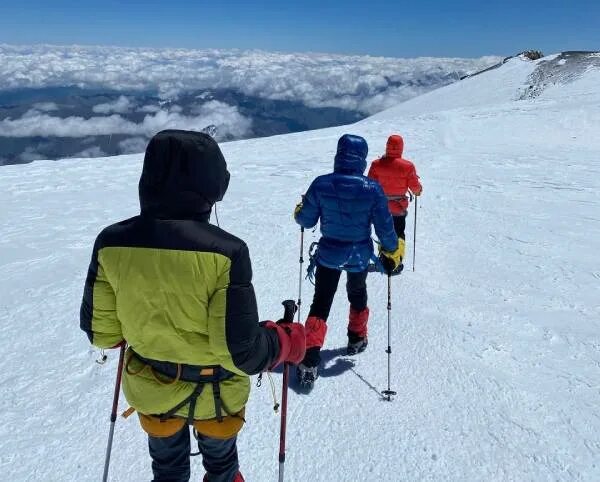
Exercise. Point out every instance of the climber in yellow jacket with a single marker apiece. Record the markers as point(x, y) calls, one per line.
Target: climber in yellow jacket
point(178, 291)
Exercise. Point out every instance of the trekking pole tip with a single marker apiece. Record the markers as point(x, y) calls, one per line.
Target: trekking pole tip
point(389, 394)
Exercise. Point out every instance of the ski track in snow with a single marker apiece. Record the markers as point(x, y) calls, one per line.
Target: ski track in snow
point(496, 335)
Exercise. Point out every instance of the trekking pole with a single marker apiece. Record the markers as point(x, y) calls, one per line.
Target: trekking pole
point(289, 310)
point(286, 372)
point(300, 274)
point(113, 414)
point(415, 233)
point(389, 392)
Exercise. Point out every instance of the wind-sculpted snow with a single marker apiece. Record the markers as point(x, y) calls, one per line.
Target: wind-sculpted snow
point(362, 83)
point(495, 336)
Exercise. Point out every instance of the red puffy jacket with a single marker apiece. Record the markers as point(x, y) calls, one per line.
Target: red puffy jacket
point(396, 176)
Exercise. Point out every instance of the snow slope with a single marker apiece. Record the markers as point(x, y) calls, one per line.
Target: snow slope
point(496, 335)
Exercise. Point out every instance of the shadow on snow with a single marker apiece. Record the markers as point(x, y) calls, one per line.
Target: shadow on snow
point(334, 362)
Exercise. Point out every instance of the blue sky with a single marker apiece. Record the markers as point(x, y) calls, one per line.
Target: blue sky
point(459, 28)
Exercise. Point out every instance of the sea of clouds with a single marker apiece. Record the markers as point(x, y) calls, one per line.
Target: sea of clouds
point(361, 84)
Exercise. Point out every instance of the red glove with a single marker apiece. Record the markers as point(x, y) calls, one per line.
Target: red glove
point(292, 342)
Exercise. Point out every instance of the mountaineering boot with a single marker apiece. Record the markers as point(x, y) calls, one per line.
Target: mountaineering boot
point(357, 331)
point(308, 371)
point(356, 344)
point(307, 375)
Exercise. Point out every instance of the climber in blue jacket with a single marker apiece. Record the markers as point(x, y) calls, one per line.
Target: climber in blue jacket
point(346, 203)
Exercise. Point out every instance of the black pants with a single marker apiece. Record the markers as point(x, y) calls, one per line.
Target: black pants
point(171, 457)
point(400, 225)
point(326, 283)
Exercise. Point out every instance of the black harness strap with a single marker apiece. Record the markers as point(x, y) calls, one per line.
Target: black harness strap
point(195, 374)
point(218, 401)
point(193, 398)
point(220, 406)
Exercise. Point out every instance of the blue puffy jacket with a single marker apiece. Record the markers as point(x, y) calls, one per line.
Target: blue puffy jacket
point(347, 204)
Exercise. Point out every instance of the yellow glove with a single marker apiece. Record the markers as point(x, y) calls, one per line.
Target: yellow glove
point(418, 193)
point(392, 259)
point(297, 209)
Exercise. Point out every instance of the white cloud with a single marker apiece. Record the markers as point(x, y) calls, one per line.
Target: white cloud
point(120, 106)
point(133, 145)
point(44, 125)
point(33, 123)
point(30, 154)
point(45, 106)
point(317, 80)
point(94, 151)
point(149, 108)
point(31, 113)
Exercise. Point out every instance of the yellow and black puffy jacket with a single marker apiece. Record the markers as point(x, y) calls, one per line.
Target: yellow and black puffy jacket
point(175, 287)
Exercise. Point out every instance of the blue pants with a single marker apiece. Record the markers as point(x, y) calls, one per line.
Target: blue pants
point(171, 457)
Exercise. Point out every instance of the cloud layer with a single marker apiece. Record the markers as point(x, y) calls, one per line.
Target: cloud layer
point(94, 101)
point(35, 123)
point(359, 83)
point(120, 106)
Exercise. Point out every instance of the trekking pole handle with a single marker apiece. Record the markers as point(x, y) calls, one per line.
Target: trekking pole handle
point(289, 310)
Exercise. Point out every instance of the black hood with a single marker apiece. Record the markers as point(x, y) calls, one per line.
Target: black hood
point(184, 174)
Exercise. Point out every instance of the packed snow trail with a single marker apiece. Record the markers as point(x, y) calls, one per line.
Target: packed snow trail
point(496, 336)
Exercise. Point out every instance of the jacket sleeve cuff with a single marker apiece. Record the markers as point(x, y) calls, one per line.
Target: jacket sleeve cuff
point(284, 343)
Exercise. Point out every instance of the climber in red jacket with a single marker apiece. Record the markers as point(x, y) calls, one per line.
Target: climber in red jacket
point(397, 176)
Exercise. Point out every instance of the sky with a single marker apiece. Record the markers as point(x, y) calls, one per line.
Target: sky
point(395, 28)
